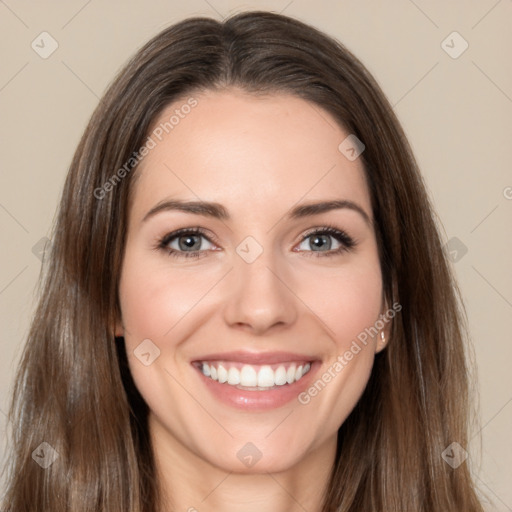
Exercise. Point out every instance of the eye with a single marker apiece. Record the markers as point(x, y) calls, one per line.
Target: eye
point(194, 243)
point(189, 242)
point(326, 241)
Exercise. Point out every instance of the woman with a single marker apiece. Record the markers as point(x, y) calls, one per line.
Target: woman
point(189, 351)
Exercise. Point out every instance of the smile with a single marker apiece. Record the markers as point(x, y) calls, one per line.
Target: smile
point(254, 377)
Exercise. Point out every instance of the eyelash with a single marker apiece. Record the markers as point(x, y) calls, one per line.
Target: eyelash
point(347, 243)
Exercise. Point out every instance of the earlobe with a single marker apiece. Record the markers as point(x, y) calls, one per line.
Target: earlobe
point(382, 341)
point(384, 334)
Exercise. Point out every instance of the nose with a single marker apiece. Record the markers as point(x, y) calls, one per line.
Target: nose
point(259, 298)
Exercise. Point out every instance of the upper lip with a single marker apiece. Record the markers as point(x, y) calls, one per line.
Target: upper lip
point(257, 357)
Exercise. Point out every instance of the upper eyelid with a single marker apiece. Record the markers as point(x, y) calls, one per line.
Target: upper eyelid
point(184, 231)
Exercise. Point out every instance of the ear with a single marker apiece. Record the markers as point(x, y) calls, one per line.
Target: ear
point(385, 332)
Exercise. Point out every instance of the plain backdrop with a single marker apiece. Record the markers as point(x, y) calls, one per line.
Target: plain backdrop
point(445, 67)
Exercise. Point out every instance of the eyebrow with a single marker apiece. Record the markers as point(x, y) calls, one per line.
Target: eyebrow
point(217, 211)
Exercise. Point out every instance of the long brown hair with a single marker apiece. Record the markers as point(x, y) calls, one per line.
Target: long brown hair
point(73, 389)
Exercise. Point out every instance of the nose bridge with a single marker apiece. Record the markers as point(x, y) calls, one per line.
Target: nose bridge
point(258, 298)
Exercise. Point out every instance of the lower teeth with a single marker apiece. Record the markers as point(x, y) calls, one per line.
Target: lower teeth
point(256, 388)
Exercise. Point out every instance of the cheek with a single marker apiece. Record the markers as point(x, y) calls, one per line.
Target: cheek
point(153, 300)
point(348, 305)
point(347, 299)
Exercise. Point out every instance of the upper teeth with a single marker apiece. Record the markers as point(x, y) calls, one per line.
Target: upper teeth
point(254, 375)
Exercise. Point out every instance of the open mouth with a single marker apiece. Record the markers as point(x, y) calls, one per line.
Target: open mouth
point(256, 381)
point(253, 377)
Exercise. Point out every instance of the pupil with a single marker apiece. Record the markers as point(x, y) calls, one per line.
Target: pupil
point(322, 242)
point(189, 242)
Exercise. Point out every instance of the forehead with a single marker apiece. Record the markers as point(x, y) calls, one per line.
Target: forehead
point(247, 152)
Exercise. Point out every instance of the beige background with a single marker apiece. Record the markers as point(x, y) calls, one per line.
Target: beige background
point(456, 112)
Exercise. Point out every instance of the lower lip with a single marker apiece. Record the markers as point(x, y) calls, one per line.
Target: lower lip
point(258, 400)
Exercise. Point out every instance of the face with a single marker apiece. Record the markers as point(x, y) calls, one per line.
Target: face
point(250, 281)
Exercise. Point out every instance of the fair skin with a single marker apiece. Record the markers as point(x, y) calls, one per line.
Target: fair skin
point(260, 158)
